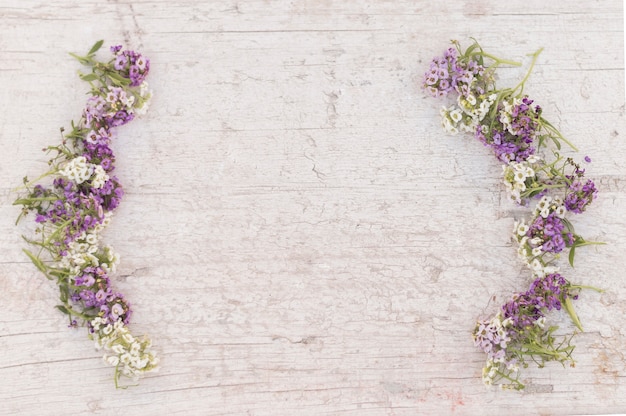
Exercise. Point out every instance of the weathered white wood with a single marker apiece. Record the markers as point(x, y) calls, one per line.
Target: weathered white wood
point(298, 234)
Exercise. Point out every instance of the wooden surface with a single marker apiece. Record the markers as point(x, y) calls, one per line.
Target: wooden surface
point(298, 235)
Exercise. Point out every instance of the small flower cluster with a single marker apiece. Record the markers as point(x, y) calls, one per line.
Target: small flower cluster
point(131, 65)
point(73, 209)
point(519, 177)
point(467, 114)
point(512, 131)
point(463, 74)
point(129, 355)
point(578, 194)
point(513, 127)
point(518, 331)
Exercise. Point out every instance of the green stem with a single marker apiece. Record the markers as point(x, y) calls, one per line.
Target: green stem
point(516, 382)
point(500, 61)
point(597, 289)
point(545, 123)
point(29, 183)
point(520, 86)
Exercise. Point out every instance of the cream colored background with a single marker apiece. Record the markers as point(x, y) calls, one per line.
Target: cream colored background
point(298, 234)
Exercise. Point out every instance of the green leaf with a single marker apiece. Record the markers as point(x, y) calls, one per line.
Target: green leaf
point(118, 79)
point(572, 253)
point(89, 77)
point(36, 261)
point(81, 59)
point(95, 47)
point(569, 307)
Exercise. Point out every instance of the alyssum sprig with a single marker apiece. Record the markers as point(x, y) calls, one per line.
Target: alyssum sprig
point(73, 202)
point(510, 123)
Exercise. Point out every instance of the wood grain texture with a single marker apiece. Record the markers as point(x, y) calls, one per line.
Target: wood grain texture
point(298, 235)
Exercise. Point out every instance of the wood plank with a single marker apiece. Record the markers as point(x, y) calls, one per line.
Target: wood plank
point(298, 234)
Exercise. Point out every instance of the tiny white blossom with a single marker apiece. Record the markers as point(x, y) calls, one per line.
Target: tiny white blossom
point(100, 177)
point(520, 176)
point(77, 170)
point(522, 229)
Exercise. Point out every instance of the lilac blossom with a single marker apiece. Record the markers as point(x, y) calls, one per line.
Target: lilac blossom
point(131, 65)
point(512, 126)
point(450, 73)
point(72, 211)
point(580, 195)
point(511, 134)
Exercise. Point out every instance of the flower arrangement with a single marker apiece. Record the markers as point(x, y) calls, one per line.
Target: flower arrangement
point(73, 202)
point(509, 123)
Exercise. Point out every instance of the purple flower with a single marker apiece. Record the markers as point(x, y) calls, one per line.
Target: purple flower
point(447, 74)
point(544, 294)
point(511, 141)
point(116, 311)
point(121, 61)
point(549, 231)
point(70, 211)
point(131, 65)
point(580, 195)
point(100, 296)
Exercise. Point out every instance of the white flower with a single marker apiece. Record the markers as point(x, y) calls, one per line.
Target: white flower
point(77, 170)
point(519, 176)
point(550, 269)
point(107, 219)
point(456, 115)
point(100, 177)
point(536, 266)
point(128, 101)
point(468, 125)
point(118, 349)
point(113, 259)
point(122, 349)
point(92, 239)
point(544, 203)
point(522, 229)
point(522, 252)
point(513, 367)
point(142, 105)
point(516, 196)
